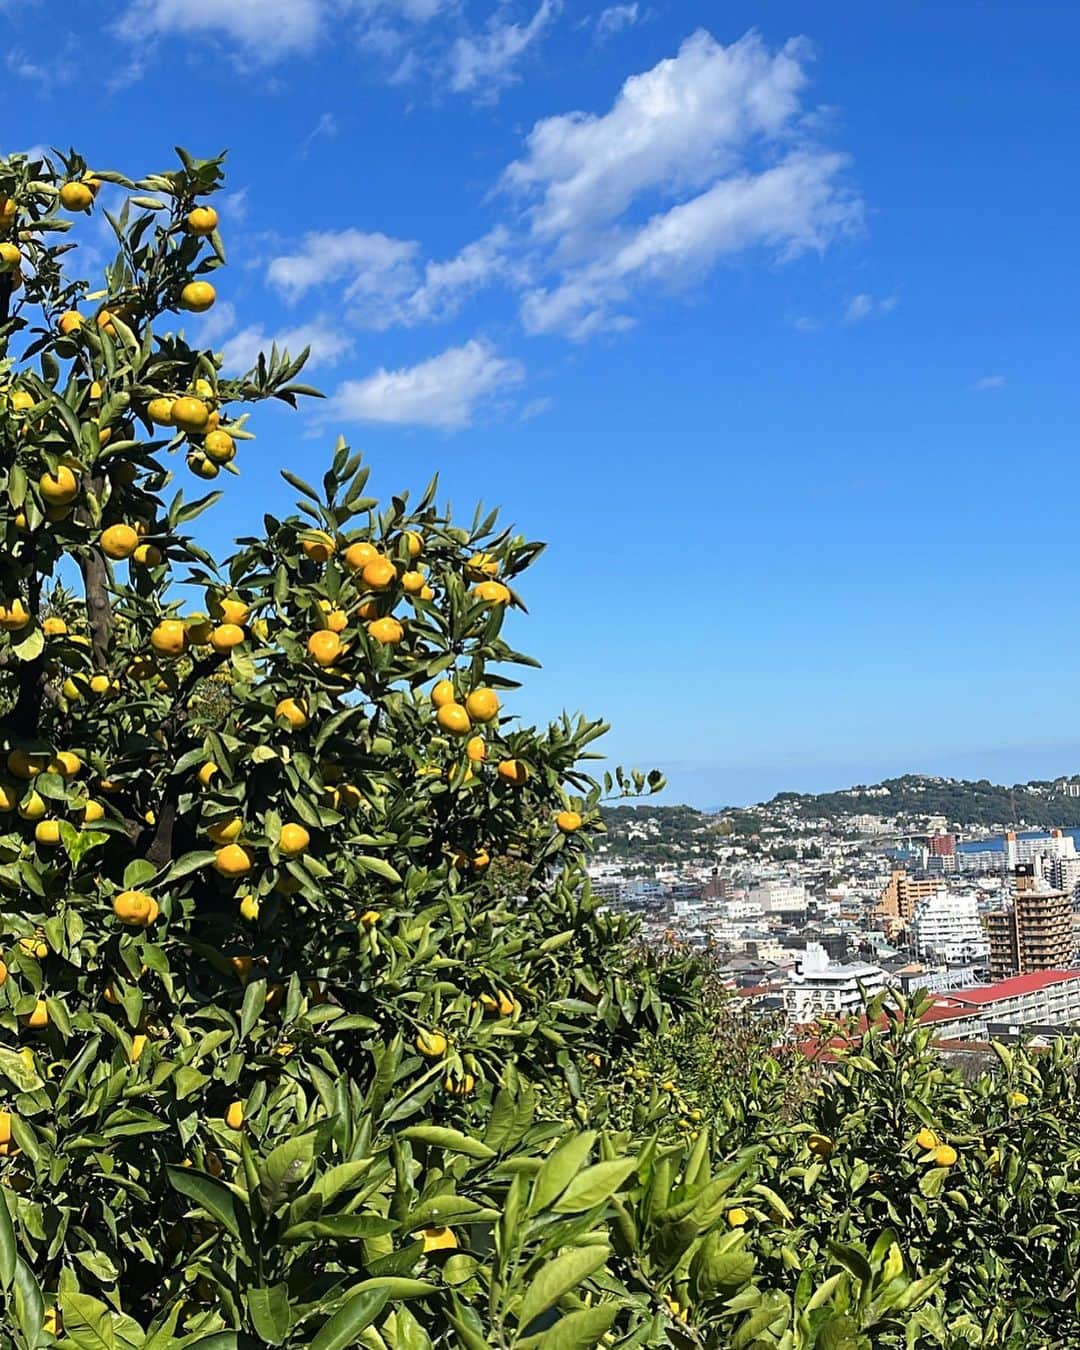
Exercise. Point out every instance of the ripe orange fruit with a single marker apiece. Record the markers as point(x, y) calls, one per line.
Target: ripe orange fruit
point(439, 1239)
point(369, 918)
point(23, 764)
point(336, 620)
point(47, 832)
point(60, 487)
point(227, 609)
point(207, 773)
point(378, 574)
point(91, 812)
point(294, 839)
point(514, 771)
point(189, 414)
point(357, 556)
point(119, 541)
point(202, 221)
point(39, 1017)
point(200, 466)
point(443, 693)
point(320, 547)
point(77, 196)
point(568, 821)
point(226, 636)
point(147, 555)
point(137, 908)
point(219, 446)
point(927, 1139)
point(459, 1087)
point(944, 1155)
point(70, 322)
point(169, 638)
point(476, 749)
point(234, 1116)
point(234, 860)
point(412, 583)
point(482, 705)
point(197, 296)
point(159, 411)
point(324, 647)
point(494, 592)
point(432, 1044)
point(414, 542)
point(387, 631)
point(138, 1045)
point(293, 711)
point(738, 1218)
point(452, 717)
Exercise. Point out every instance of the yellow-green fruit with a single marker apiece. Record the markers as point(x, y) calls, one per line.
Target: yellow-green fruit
point(431, 1043)
point(92, 811)
point(32, 807)
point(219, 446)
point(249, 908)
point(292, 711)
point(159, 410)
point(47, 832)
point(202, 221)
point(197, 296)
point(190, 414)
point(439, 1239)
point(234, 1116)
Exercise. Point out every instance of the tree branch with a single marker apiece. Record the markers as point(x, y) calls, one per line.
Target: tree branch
point(95, 575)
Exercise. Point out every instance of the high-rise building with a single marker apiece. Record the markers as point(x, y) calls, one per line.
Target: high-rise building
point(1033, 931)
point(947, 928)
point(943, 845)
point(902, 894)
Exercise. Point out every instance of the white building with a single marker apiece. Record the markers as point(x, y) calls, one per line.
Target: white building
point(780, 897)
point(817, 988)
point(1054, 845)
point(947, 928)
point(1043, 998)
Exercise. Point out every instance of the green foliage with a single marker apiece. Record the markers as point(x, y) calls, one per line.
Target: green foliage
point(312, 1034)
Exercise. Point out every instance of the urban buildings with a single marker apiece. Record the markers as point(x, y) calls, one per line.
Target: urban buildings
point(902, 894)
point(1034, 929)
point(947, 928)
point(818, 988)
point(1049, 998)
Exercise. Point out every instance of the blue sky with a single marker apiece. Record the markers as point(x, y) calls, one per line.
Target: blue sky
point(763, 316)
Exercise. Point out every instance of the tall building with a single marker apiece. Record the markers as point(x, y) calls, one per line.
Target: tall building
point(947, 928)
point(902, 894)
point(1033, 931)
point(943, 845)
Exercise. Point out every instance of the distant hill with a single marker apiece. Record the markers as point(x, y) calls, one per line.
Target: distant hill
point(911, 798)
point(1040, 805)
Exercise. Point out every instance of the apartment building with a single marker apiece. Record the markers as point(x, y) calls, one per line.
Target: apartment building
point(819, 988)
point(1033, 931)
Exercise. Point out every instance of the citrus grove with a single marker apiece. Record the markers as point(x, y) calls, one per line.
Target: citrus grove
point(311, 1033)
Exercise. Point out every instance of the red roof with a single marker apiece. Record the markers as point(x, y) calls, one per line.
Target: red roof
point(956, 1000)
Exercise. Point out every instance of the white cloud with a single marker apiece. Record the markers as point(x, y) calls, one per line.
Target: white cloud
point(862, 306)
point(615, 18)
point(443, 391)
point(327, 126)
point(989, 382)
point(859, 307)
point(384, 282)
point(326, 339)
point(484, 64)
point(790, 208)
point(673, 128)
point(267, 29)
point(374, 267)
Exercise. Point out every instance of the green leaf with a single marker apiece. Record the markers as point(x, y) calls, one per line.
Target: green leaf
point(88, 1323)
point(595, 1185)
point(29, 1305)
point(211, 1195)
point(190, 862)
point(7, 1243)
point(440, 1210)
point(555, 1279)
point(559, 1168)
point(254, 1002)
point(271, 1314)
point(138, 873)
point(350, 1320)
point(580, 1330)
point(31, 646)
point(453, 1141)
point(284, 1169)
point(379, 867)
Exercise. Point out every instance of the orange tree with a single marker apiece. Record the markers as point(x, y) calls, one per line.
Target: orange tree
point(282, 1062)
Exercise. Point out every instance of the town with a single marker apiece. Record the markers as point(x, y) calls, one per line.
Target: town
point(810, 905)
